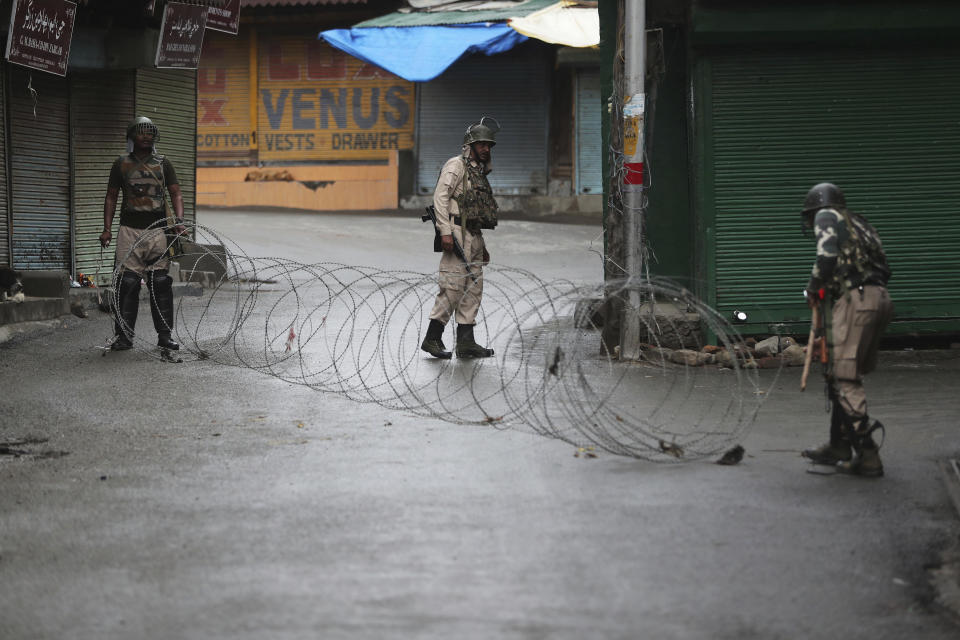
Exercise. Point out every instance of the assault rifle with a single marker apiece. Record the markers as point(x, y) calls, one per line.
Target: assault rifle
point(437, 244)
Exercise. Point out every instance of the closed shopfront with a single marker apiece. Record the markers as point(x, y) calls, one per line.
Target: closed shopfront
point(302, 101)
point(317, 103)
point(512, 87)
point(225, 134)
point(40, 170)
point(101, 107)
point(882, 124)
point(169, 98)
point(587, 140)
point(5, 255)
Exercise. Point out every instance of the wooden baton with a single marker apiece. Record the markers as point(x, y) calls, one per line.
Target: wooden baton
point(808, 358)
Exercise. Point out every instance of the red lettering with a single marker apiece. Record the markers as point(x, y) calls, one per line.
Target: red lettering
point(368, 70)
point(211, 77)
point(323, 61)
point(217, 85)
point(212, 111)
point(277, 69)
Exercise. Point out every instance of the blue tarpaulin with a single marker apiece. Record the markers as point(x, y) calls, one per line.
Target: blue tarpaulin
point(420, 54)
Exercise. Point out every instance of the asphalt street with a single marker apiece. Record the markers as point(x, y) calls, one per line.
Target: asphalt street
point(145, 499)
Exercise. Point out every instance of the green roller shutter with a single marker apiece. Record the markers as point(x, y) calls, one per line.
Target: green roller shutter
point(169, 98)
point(39, 170)
point(101, 106)
point(588, 144)
point(883, 125)
point(4, 202)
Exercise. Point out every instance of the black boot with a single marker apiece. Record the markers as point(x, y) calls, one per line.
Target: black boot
point(126, 305)
point(866, 460)
point(433, 342)
point(838, 449)
point(160, 286)
point(467, 347)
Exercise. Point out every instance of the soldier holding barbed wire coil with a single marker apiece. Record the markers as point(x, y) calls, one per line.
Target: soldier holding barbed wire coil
point(144, 176)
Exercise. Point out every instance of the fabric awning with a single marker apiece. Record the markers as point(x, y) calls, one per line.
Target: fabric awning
point(420, 54)
point(563, 23)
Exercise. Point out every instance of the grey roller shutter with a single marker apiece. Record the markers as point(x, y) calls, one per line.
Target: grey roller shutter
point(589, 170)
point(5, 255)
point(39, 163)
point(513, 87)
point(101, 106)
point(883, 125)
point(169, 98)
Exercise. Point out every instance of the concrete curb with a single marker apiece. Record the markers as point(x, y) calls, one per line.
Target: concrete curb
point(32, 309)
point(89, 297)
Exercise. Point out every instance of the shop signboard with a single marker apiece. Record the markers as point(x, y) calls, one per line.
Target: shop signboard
point(40, 33)
point(181, 36)
point(225, 18)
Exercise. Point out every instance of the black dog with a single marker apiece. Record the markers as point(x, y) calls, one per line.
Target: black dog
point(10, 286)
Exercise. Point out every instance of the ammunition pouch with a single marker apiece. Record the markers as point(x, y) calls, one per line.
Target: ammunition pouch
point(476, 202)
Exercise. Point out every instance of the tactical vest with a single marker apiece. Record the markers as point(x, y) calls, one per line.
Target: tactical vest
point(476, 201)
point(862, 259)
point(143, 190)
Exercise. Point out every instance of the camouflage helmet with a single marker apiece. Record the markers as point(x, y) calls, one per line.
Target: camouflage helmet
point(483, 131)
point(823, 195)
point(142, 124)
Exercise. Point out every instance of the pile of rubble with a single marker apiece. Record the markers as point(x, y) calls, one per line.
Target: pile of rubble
point(771, 353)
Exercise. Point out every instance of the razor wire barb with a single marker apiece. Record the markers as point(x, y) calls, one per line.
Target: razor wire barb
point(356, 331)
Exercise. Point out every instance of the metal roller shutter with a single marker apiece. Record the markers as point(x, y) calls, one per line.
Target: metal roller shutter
point(589, 168)
point(317, 103)
point(223, 100)
point(882, 125)
point(512, 87)
point(169, 98)
point(101, 106)
point(40, 158)
point(4, 203)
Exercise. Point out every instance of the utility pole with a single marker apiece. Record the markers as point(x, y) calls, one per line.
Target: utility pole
point(635, 67)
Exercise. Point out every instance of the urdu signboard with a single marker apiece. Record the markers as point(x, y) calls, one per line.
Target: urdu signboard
point(181, 36)
point(40, 34)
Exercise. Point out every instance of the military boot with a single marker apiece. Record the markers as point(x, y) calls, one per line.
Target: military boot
point(467, 347)
point(829, 453)
point(127, 303)
point(838, 449)
point(433, 341)
point(866, 461)
point(160, 286)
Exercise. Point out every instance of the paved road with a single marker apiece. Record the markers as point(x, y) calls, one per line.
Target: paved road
point(208, 501)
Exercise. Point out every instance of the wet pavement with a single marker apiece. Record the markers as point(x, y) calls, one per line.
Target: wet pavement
point(143, 499)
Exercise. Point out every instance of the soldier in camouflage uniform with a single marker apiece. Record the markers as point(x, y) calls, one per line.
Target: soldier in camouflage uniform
point(143, 175)
point(464, 205)
point(851, 269)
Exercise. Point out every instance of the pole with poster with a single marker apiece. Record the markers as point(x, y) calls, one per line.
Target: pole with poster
point(635, 65)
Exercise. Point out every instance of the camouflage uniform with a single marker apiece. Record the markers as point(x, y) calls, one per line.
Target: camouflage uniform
point(142, 251)
point(143, 184)
point(852, 269)
point(463, 192)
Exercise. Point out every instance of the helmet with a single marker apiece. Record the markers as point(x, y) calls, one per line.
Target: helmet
point(823, 195)
point(482, 132)
point(142, 125)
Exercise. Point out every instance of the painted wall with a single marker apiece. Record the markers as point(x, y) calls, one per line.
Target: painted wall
point(310, 187)
point(291, 98)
